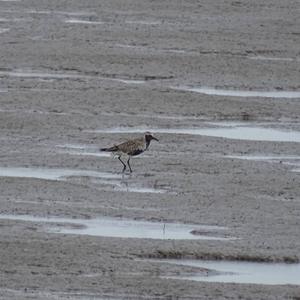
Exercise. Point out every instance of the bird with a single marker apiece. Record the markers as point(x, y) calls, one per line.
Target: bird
point(131, 148)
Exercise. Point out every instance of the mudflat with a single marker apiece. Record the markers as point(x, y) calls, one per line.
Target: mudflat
point(217, 82)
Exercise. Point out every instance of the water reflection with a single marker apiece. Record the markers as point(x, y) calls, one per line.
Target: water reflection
point(241, 272)
point(124, 228)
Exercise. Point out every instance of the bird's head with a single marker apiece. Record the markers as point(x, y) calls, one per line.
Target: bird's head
point(149, 137)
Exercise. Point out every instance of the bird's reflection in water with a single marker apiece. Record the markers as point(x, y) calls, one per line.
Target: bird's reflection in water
point(125, 182)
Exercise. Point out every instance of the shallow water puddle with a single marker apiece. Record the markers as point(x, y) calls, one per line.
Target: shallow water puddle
point(99, 154)
point(141, 190)
point(123, 186)
point(129, 81)
point(29, 74)
point(2, 30)
point(292, 160)
point(127, 184)
point(85, 150)
point(234, 131)
point(148, 116)
point(85, 22)
point(241, 272)
point(274, 58)
point(143, 22)
point(266, 157)
point(123, 228)
point(6, 20)
point(33, 74)
point(73, 146)
point(240, 93)
point(119, 182)
point(48, 12)
point(52, 174)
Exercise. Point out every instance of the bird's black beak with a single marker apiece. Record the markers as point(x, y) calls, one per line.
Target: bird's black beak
point(154, 138)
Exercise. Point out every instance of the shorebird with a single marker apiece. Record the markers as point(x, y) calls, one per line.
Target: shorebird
point(131, 148)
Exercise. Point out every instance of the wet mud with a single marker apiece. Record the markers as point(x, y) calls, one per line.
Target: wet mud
point(219, 84)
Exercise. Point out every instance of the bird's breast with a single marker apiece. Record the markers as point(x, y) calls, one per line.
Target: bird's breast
point(135, 152)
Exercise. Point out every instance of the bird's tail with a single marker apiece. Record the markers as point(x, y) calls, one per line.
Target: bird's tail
point(111, 149)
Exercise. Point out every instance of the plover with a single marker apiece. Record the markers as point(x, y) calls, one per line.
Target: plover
point(131, 148)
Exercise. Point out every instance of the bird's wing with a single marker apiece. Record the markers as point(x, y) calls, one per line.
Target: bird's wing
point(132, 145)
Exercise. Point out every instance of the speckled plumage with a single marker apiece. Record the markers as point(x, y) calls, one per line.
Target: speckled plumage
point(131, 148)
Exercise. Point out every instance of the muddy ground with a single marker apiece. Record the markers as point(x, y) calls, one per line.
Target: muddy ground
point(105, 64)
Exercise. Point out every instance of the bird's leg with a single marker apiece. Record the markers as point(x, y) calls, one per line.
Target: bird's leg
point(124, 166)
point(129, 165)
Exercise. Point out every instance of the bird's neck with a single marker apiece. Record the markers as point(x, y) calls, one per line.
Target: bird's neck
point(147, 141)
